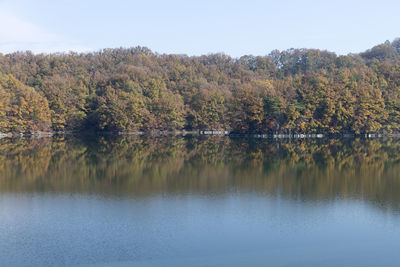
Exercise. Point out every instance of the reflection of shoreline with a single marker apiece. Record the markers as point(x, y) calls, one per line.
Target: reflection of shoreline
point(318, 170)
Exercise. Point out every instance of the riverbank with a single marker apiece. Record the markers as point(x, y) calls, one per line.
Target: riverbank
point(40, 134)
point(27, 134)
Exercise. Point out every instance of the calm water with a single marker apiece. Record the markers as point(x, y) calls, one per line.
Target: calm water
point(199, 202)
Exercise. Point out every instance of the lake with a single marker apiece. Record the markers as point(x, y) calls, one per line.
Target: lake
point(182, 201)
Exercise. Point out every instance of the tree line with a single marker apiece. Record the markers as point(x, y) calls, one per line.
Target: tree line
point(135, 89)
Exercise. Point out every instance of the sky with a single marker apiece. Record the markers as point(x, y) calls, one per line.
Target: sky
point(197, 27)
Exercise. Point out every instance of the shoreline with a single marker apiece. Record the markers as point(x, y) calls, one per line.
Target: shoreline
point(27, 134)
point(202, 133)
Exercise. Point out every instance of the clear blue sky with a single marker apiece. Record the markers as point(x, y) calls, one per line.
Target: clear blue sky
point(197, 27)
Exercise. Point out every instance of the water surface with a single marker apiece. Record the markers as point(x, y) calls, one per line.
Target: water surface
point(199, 202)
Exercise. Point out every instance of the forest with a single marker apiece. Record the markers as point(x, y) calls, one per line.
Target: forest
point(135, 89)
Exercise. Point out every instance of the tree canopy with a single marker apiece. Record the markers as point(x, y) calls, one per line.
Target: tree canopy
point(135, 89)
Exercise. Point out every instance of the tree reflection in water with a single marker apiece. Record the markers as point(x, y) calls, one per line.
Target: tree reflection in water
point(306, 170)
